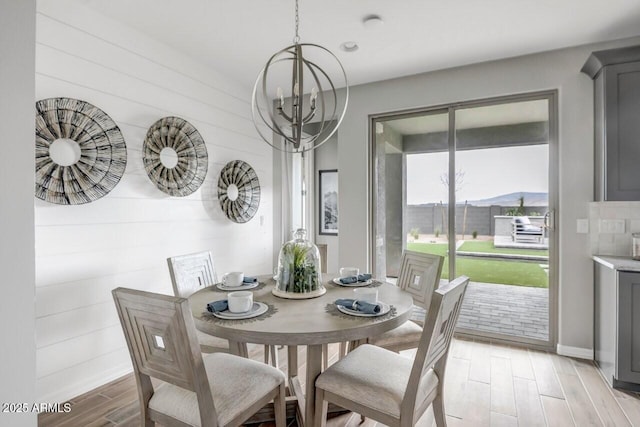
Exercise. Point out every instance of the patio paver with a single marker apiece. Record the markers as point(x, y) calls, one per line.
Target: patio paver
point(506, 309)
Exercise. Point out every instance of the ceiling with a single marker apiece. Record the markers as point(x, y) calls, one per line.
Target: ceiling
point(238, 36)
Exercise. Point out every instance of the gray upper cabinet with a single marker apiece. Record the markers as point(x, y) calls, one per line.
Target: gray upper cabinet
point(616, 75)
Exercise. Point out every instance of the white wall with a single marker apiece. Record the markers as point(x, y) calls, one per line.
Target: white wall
point(552, 70)
point(123, 239)
point(17, 356)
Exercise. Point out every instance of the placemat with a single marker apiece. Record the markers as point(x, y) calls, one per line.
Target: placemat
point(332, 309)
point(210, 318)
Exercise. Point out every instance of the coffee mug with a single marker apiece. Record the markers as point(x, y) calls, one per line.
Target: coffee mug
point(369, 295)
point(240, 302)
point(233, 279)
point(349, 271)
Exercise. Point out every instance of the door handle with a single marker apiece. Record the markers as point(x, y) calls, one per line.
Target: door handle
point(549, 220)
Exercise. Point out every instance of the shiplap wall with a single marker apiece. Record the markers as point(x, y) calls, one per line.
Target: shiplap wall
point(123, 239)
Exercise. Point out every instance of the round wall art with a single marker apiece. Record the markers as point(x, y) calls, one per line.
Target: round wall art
point(239, 191)
point(175, 156)
point(80, 152)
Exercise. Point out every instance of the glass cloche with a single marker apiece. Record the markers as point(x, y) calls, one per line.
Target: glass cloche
point(298, 274)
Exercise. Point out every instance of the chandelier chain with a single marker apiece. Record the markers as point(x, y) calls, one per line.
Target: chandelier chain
point(296, 39)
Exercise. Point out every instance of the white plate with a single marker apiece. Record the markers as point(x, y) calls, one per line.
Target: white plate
point(384, 309)
point(257, 309)
point(352, 285)
point(237, 288)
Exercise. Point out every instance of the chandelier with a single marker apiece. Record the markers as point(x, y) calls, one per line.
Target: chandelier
point(304, 108)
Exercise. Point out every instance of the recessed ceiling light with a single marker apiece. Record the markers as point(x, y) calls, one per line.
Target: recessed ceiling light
point(349, 46)
point(372, 21)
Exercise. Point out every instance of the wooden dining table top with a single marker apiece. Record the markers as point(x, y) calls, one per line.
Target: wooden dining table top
point(302, 321)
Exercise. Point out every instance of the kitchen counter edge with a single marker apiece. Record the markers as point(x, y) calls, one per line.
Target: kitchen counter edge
point(620, 263)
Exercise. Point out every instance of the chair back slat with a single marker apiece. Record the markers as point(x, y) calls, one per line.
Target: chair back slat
point(160, 334)
point(446, 324)
point(191, 272)
point(420, 275)
point(437, 333)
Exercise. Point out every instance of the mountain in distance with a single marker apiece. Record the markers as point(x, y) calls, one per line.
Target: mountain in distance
point(513, 199)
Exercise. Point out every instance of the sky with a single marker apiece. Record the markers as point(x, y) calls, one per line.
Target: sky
point(487, 172)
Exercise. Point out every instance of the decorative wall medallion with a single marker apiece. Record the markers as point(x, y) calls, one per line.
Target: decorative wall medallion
point(80, 152)
point(239, 191)
point(175, 156)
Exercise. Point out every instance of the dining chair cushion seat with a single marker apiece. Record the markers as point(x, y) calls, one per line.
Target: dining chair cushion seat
point(373, 377)
point(408, 332)
point(219, 344)
point(236, 384)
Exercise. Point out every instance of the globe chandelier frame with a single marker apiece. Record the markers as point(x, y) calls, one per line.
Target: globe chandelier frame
point(288, 119)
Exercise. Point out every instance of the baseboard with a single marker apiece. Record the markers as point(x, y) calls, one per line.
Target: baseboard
point(578, 352)
point(67, 393)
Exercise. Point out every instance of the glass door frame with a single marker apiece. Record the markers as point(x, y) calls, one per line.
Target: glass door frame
point(552, 97)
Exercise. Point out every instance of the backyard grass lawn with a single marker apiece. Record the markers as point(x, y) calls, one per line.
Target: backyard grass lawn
point(487, 247)
point(517, 273)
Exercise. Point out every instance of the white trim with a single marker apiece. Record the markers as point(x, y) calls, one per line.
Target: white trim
point(579, 352)
point(67, 393)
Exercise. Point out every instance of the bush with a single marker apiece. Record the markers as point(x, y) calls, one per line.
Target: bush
point(474, 233)
point(437, 232)
point(415, 233)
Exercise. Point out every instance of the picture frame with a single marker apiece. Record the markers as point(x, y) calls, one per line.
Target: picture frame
point(328, 202)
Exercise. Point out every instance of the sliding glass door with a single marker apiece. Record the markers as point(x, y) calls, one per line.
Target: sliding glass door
point(474, 182)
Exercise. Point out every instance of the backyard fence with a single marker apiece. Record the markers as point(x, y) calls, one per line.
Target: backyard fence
point(429, 218)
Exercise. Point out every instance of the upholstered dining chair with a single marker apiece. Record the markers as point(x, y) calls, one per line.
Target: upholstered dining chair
point(216, 389)
point(399, 393)
point(420, 276)
point(192, 272)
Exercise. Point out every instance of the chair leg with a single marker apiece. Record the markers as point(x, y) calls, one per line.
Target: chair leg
point(274, 356)
point(321, 409)
point(271, 355)
point(325, 356)
point(343, 350)
point(280, 407)
point(438, 411)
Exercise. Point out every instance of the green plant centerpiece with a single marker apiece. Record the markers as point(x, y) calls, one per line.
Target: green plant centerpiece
point(298, 275)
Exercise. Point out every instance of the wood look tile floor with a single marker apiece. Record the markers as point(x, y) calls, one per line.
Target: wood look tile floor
point(485, 385)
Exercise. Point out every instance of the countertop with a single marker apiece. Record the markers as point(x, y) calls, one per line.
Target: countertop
point(623, 263)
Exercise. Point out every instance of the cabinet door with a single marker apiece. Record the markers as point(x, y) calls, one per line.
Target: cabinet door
point(622, 110)
point(628, 366)
point(605, 320)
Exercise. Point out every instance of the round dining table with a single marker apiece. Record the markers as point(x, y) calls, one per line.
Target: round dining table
point(294, 322)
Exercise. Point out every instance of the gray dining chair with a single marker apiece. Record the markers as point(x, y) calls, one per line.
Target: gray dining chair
point(192, 272)
point(388, 387)
point(420, 276)
point(209, 390)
